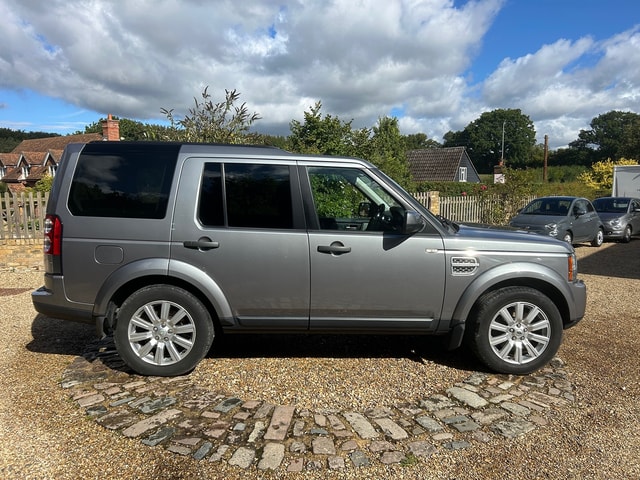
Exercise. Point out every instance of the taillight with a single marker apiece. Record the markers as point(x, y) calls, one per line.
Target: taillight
point(52, 235)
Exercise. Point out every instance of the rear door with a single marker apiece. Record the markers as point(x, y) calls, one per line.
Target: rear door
point(365, 273)
point(237, 221)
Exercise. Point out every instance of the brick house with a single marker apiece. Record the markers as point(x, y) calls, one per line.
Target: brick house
point(32, 159)
point(450, 164)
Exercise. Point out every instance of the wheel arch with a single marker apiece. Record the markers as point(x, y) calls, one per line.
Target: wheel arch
point(540, 278)
point(134, 276)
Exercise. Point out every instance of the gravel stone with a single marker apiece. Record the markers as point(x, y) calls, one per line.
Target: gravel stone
point(588, 398)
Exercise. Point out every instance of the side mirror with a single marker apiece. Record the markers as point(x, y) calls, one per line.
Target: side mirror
point(365, 210)
point(413, 222)
point(579, 212)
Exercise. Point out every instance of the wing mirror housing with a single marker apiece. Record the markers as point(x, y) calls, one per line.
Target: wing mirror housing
point(413, 222)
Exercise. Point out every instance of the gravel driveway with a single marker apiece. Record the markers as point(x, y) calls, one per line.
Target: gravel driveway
point(45, 435)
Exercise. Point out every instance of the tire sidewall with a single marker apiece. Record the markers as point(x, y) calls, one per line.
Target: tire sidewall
point(598, 239)
point(201, 318)
point(493, 302)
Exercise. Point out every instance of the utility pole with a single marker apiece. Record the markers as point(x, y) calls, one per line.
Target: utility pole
point(546, 156)
point(502, 149)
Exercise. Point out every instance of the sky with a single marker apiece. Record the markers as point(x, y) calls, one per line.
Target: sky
point(436, 65)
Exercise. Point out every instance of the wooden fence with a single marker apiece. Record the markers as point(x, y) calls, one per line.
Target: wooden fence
point(486, 209)
point(23, 214)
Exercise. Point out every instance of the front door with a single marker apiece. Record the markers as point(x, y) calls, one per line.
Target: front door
point(365, 273)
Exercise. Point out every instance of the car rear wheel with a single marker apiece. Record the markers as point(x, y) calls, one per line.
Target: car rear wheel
point(163, 330)
point(517, 331)
point(626, 236)
point(598, 239)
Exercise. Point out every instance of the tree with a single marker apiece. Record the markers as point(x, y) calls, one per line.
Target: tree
point(44, 184)
point(569, 156)
point(222, 122)
point(130, 129)
point(612, 135)
point(388, 151)
point(631, 140)
point(418, 141)
point(483, 139)
point(601, 174)
point(326, 136)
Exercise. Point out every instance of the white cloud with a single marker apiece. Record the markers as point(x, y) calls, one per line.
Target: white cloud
point(361, 58)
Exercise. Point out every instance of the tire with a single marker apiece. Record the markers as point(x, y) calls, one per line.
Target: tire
point(517, 331)
point(598, 239)
point(626, 236)
point(163, 331)
point(567, 237)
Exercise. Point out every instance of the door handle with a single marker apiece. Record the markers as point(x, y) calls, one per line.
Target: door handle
point(336, 248)
point(201, 244)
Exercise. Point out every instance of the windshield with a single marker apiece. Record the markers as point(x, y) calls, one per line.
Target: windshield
point(611, 205)
point(548, 206)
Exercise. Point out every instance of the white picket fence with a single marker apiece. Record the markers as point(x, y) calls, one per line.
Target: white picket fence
point(22, 215)
point(486, 209)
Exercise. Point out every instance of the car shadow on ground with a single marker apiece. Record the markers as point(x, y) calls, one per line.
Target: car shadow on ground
point(60, 337)
point(420, 349)
point(621, 260)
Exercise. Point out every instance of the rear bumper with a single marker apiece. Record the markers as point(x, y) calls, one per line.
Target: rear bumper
point(50, 300)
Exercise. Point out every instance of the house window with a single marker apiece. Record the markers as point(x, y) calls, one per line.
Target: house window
point(52, 170)
point(3, 171)
point(462, 174)
point(25, 171)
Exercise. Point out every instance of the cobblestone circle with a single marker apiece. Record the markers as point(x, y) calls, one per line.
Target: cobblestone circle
point(214, 426)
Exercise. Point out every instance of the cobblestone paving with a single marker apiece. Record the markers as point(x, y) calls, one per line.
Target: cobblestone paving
point(214, 426)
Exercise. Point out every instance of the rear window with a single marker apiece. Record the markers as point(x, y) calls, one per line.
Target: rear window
point(123, 180)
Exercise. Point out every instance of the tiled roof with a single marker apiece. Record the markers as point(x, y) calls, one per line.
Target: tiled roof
point(54, 143)
point(9, 159)
point(435, 164)
point(38, 153)
point(36, 173)
point(40, 158)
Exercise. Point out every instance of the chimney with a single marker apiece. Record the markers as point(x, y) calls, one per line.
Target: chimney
point(111, 129)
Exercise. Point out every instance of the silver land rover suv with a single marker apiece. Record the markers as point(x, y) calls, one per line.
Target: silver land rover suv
point(166, 245)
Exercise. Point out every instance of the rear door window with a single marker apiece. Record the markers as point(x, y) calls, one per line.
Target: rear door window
point(255, 196)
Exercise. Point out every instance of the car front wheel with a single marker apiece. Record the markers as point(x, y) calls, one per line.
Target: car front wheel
point(163, 330)
point(626, 236)
point(598, 239)
point(517, 331)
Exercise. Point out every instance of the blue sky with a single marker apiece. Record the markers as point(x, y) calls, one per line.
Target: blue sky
point(436, 64)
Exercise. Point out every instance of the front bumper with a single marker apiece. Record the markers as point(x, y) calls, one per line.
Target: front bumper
point(578, 309)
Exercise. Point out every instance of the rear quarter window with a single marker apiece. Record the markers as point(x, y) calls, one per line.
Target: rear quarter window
point(123, 180)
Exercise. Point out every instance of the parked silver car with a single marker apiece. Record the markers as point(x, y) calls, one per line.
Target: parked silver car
point(620, 216)
point(168, 245)
point(572, 219)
